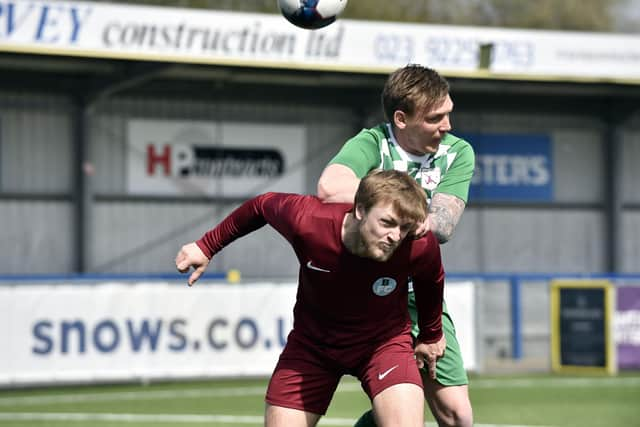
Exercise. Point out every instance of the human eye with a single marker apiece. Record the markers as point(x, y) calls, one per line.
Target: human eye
point(386, 222)
point(434, 119)
point(407, 227)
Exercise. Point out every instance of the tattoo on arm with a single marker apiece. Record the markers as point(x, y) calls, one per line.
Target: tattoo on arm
point(445, 211)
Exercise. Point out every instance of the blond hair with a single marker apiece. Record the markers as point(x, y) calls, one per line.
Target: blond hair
point(397, 188)
point(413, 89)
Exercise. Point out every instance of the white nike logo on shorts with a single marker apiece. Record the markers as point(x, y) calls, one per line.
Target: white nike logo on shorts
point(385, 373)
point(311, 266)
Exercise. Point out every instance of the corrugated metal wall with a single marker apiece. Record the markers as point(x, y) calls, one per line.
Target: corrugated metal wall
point(133, 236)
point(128, 235)
point(534, 239)
point(35, 144)
point(35, 184)
point(631, 195)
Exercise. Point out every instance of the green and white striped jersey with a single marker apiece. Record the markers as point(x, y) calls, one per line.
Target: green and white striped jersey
point(447, 171)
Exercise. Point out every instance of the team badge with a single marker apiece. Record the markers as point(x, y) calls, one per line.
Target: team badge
point(384, 286)
point(430, 178)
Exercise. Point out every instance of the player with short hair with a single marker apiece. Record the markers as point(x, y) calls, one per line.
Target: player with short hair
point(350, 315)
point(416, 139)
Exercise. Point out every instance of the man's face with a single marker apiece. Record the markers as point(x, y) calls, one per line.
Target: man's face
point(421, 133)
point(382, 231)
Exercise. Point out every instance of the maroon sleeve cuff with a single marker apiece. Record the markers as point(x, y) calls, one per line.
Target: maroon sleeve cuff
point(204, 248)
point(430, 337)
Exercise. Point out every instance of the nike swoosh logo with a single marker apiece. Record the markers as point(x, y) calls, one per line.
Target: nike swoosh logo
point(385, 373)
point(313, 267)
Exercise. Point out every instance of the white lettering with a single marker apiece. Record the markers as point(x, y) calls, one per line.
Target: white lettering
point(539, 170)
point(511, 170)
point(627, 327)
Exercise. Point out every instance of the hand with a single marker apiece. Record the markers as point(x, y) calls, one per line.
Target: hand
point(429, 353)
point(422, 230)
point(190, 255)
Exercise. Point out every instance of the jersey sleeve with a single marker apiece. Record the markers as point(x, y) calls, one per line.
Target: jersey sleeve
point(280, 210)
point(428, 286)
point(360, 153)
point(457, 180)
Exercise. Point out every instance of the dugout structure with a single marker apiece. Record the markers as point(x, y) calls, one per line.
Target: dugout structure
point(582, 327)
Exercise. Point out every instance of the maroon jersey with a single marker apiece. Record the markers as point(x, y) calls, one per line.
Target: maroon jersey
point(342, 299)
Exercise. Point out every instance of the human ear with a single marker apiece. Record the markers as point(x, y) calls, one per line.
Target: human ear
point(399, 119)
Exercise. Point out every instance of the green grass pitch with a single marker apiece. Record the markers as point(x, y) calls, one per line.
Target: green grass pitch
point(533, 400)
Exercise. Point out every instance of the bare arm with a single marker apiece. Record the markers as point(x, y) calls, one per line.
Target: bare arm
point(338, 183)
point(445, 211)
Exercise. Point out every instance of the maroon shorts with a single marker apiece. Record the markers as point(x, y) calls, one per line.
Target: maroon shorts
point(307, 375)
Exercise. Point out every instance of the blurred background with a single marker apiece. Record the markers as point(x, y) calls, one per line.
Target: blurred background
point(130, 128)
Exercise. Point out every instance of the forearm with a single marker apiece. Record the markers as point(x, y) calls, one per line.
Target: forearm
point(429, 319)
point(240, 222)
point(429, 296)
point(445, 211)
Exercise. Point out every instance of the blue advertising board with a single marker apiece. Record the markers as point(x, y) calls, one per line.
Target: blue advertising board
point(512, 167)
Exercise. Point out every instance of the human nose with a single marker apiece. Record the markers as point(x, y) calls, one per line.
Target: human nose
point(445, 126)
point(395, 234)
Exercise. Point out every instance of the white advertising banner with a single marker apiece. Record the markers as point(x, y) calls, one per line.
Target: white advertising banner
point(244, 39)
point(118, 331)
point(191, 158)
point(461, 305)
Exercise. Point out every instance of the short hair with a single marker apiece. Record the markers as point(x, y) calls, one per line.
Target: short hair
point(412, 89)
point(391, 186)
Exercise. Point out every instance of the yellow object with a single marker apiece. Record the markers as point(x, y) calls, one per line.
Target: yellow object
point(576, 331)
point(233, 276)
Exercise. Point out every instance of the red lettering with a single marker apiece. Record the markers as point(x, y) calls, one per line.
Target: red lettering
point(163, 159)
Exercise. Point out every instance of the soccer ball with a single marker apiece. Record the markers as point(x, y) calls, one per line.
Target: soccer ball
point(311, 14)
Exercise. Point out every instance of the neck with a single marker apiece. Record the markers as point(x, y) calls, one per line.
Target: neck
point(400, 140)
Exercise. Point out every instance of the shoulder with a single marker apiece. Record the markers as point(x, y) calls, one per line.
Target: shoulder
point(425, 251)
point(319, 210)
point(375, 134)
point(362, 152)
point(312, 206)
point(323, 219)
point(458, 153)
point(457, 144)
point(300, 209)
point(287, 205)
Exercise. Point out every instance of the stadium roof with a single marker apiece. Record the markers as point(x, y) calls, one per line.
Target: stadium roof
point(100, 48)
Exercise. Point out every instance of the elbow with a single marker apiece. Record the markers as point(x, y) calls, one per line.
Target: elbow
point(442, 236)
point(324, 190)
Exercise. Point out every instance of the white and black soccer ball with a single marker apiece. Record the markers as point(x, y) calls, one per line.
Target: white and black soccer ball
point(311, 14)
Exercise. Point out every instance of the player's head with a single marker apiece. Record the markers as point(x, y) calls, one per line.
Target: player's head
point(389, 205)
point(413, 89)
point(416, 102)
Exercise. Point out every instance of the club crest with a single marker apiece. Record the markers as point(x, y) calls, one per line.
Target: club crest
point(430, 178)
point(384, 286)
